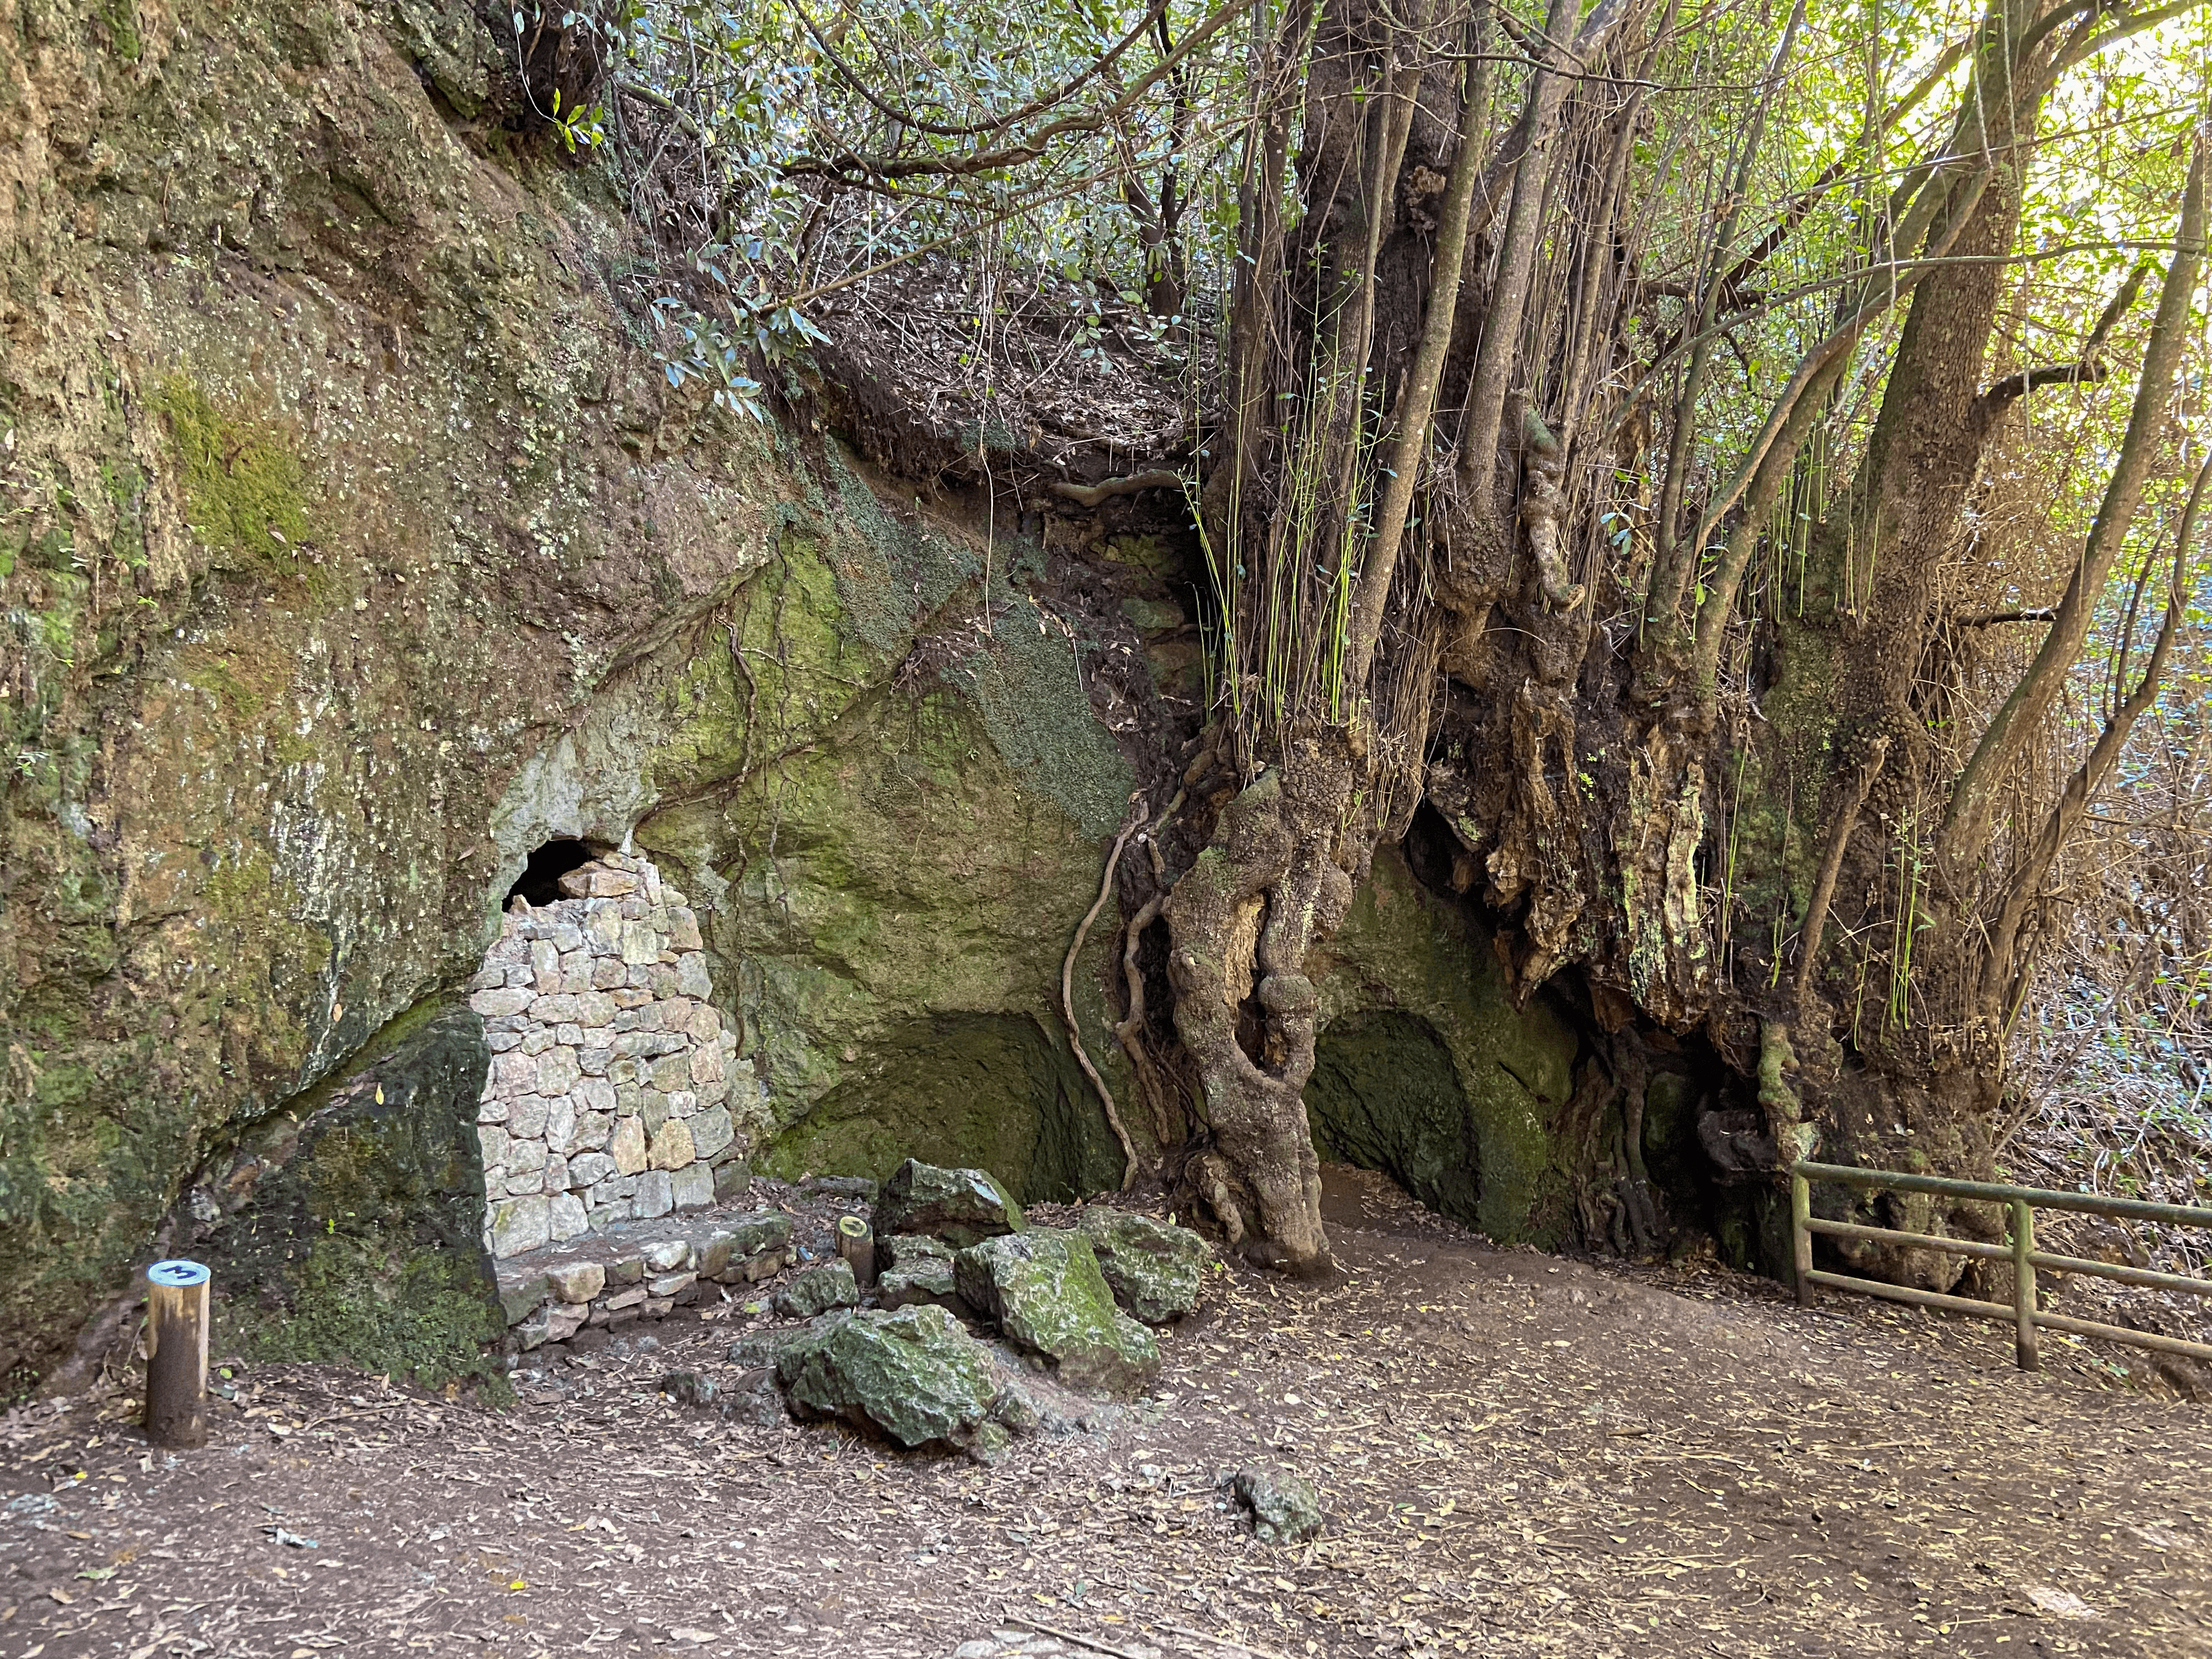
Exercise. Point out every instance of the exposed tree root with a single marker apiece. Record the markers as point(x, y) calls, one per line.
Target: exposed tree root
point(1067, 999)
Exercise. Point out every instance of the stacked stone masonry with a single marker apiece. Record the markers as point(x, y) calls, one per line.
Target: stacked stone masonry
point(638, 1270)
point(610, 1093)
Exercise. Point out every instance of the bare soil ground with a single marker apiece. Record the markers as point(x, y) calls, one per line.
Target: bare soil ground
point(1520, 1455)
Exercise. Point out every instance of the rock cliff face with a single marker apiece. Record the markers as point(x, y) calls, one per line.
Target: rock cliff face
point(354, 548)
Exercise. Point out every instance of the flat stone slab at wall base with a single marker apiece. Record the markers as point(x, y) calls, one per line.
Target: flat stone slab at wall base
point(637, 1270)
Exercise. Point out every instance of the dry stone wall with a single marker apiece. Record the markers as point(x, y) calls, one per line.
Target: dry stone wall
point(611, 1089)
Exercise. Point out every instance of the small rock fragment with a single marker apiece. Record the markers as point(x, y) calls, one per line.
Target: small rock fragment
point(1284, 1507)
point(919, 1270)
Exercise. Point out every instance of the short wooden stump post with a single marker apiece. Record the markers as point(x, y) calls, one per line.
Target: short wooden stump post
point(856, 1243)
point(176, 1353)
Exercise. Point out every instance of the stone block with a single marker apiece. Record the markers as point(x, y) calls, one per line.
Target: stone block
point(706, 1066)
point(491, 1144)
point(531, 1332)
point(672, 1072)
point(672, 1149)
point(711, 1131)
point(557, 1070)
point(594, 1009)
point(730, 1179)
point(560, 1122)
point(612, 883)
point(526, 1158)
point(652, 1110)
point(656, 1307)
point(520, 978)
point(491, 1003)
point(588, 1169)
point(594, 1094)
point(682, 1103)
point(576, 1281)
point(627, 1148)
point(565, 1217)
point(692, 979)
point(608, 973)
point(592, 1061)
point(693, 1187)
point(544, 964)
point(499, 1042)
point(626, 1270)
point(521, 1224)
point(629, 1298)
point(706, 1025)
point(656, 1196)
point(669, 1255)
point(603, 931)
point(525, 1117)
point(593, 1131)
point(567, 936)
point(671, 1284)
point(563, 1322)
point(640, 943)
point(683, 927)
point(553, 1007)
point(520, 1297)
point(513, 1074)
point(535, 1041)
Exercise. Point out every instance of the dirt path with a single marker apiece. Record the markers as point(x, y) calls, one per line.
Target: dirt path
point(1520, 1455)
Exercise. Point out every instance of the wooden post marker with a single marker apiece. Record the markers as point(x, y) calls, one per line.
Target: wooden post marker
point(176, 1353)
point(856, 1243)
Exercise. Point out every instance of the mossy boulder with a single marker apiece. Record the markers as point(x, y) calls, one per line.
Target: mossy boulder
point(958, 1207)
point(1042, 1288)
point(815, 1291)
point(916, 1270)
point(915, 1373)
point(1153, 1267)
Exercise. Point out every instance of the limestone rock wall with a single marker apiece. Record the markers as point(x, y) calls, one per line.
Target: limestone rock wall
point(609, 1094)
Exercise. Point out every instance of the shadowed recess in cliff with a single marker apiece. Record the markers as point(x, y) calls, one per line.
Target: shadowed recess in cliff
point(540, 880)
point(1385, 1095)
point(987, 1092)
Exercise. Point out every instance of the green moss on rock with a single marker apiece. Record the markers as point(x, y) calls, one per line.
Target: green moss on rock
point(355, 1234)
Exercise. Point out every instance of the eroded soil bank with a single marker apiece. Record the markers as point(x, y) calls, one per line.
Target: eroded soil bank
point(1520, 1454)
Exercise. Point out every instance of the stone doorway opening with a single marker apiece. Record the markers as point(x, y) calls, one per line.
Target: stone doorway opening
point(609, 1096)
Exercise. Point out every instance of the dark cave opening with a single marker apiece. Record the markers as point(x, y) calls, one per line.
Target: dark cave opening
point(540, 880)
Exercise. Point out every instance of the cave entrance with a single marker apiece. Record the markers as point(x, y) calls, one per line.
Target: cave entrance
point(540, 880)
point(1385, 1095)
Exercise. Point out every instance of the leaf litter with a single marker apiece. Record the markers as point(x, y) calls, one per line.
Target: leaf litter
point(1519, 1454)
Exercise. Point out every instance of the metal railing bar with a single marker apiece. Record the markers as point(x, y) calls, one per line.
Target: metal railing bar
point(1965, 1305)
point(2132, 1209)
point(2075, 1264)
point(2122, 1334)
point(1925, 1241)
